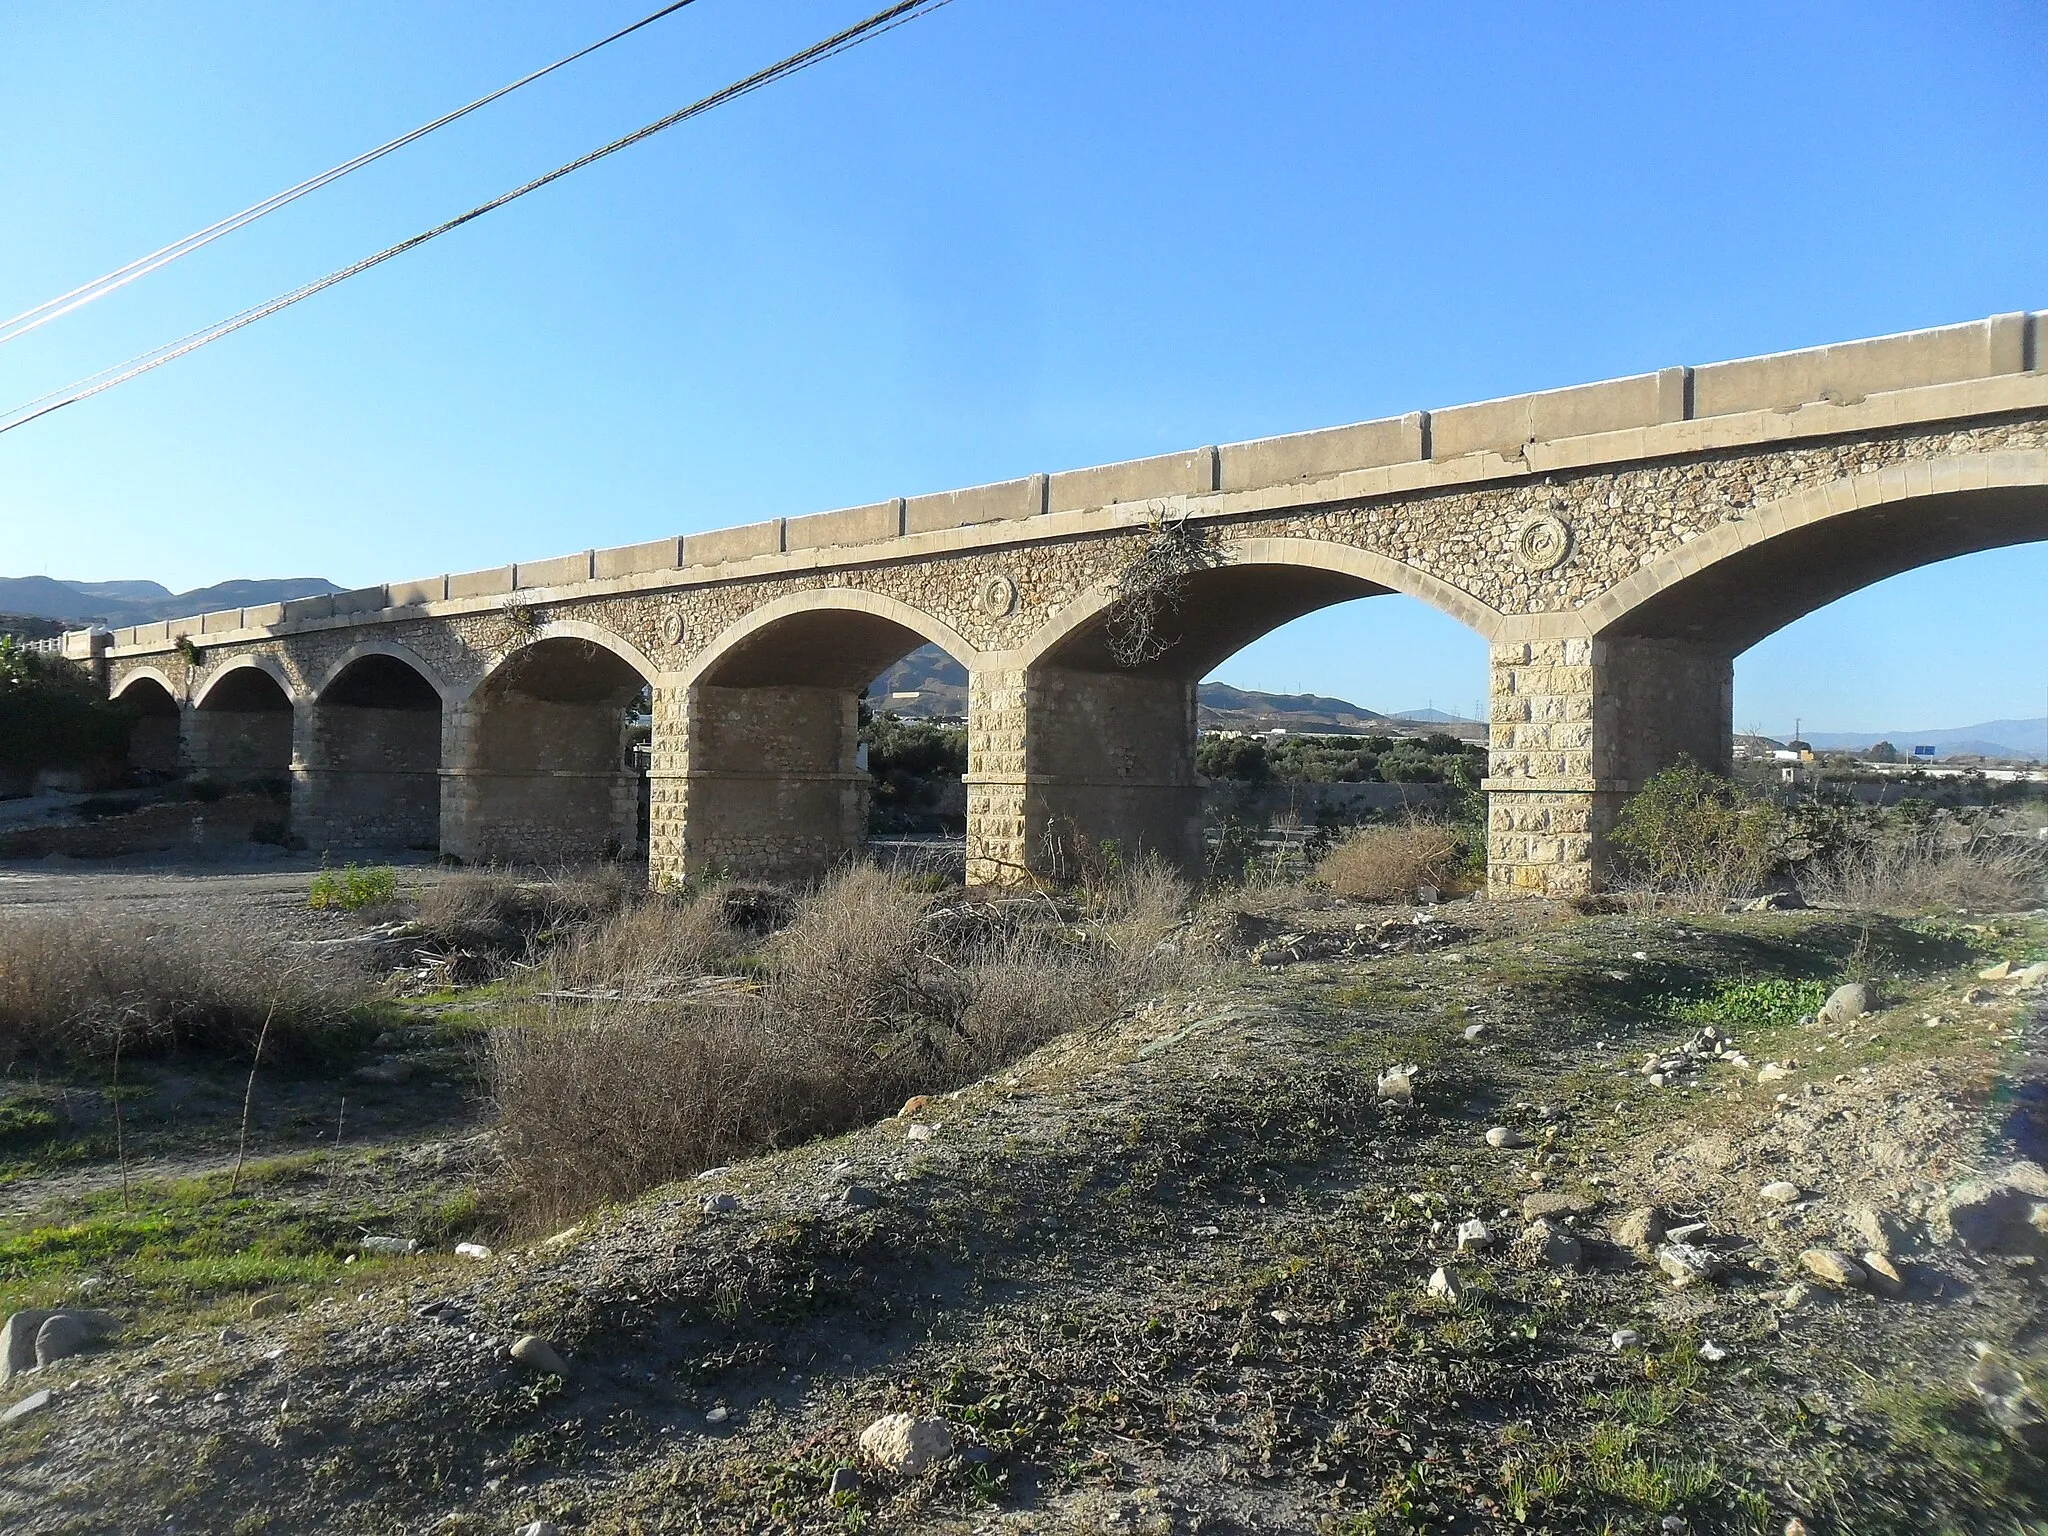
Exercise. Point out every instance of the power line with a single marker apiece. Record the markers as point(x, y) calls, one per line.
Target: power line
point(42, 314)
point(882, 21)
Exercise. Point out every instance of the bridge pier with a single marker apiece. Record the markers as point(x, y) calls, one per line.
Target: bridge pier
point(1578, 725)
point(366, 757)
point(758, 780)
point(1066, 766)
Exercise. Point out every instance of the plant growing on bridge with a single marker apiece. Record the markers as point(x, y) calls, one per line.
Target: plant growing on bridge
point(1154, 585)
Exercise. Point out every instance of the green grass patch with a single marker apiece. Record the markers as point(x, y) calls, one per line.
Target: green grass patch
point(1772, 1003)
point(352, 888)
point(182, 1245)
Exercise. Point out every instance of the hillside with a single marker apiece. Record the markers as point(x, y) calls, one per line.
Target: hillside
point(1991, 738)
point(928, 682)
point(141, 602)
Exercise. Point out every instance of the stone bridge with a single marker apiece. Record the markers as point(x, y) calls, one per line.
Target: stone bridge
point(1617, 544)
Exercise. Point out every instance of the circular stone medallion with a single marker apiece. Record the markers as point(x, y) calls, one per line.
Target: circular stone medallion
point(1542, 543)
point(672, 627)
point(998, 596)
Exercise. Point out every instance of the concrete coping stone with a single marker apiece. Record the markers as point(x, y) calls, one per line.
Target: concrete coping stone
point(561, 571)
point(725, 544)
point(1190, 473)
point(481, 583)
point(853, 525)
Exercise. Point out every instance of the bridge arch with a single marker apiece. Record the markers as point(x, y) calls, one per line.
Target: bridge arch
point(765, 773)
point(366, 769)
point(241, 725)
point(547, 760)
point(156, 742)
point(1109, 741)
point(1744, 580)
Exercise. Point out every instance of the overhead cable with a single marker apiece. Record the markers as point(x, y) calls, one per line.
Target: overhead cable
point(71, 394)
point(42, 314)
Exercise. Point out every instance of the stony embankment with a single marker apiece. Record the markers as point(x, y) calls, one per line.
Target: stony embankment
point(1578, 1224)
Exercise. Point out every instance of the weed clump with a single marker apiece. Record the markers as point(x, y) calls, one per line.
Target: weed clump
point(711, 1043)
point(1391, 863)
point(1937, 863)
point(351, 889)
point(77, 986)
point(1693, 835)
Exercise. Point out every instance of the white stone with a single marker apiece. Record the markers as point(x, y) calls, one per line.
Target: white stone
point(903, 1444)
point(1624, 1338)
point(1778, 1192)
point(1503, 1136)
point(1686, 1265)
point(472, 1250)
point(1444, 1286)
point(1398, 1084)
point(536, 1353)
point(35, 1402)
point(1473, 1234)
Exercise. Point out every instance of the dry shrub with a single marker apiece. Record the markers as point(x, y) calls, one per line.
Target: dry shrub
point(871, 993)
point(1943, 865)
point(1390, 863)
point(642, 948)
point(71, 984)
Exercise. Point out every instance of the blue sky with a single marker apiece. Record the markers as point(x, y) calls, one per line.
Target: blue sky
point(1009, 237)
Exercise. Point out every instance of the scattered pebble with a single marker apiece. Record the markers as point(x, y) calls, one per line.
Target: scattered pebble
point(844, 1480)
point(35, 1402)
point(923, 1132)
point(535, 1352)
point(391, 1247)
point(721, 1204)
point(1475, 1031)
point(1833, 1267)
point(717, 1415)
point(472, 1251)
point(1882, 1275)
point(1473, 1234)
point(1398, 1084)
point(1504, 1136)
point(1685, 1264)
point(1849, 1001)
point(1779, 1192)
point(1624, 1338)
point(1712, 1353)
point(1444, 1285)
point(905, 1445)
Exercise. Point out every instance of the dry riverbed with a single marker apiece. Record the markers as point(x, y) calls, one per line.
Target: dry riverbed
point(1171, 1275)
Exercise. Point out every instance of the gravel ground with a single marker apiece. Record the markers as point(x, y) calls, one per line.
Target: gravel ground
point(1172, 1276)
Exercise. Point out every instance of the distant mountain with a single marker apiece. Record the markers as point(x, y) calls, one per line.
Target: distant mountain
point(1224, 708)
point(1993, 738)
point(928, 682)
point(141, 602)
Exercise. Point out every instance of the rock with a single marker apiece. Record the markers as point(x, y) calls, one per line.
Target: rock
point(1849, 1001)
point(905, 1445)
point(268, 1306)
point(1833, 1267)
point(1875, 1230)
point(1444, 1286)
point(858, 1197)
point(922, 1132)
point(1772, 1072)
point(1994, 1212)
point(1624, 1338)
point(1553, 1203)
point(536, 1353)
point(2007, 1399)
point(60, 1337)
point(391, 1071)
point(1686, 1232)
point(1686, 1265)
point(1712, 1353)
point(1475, 1031)
point(540, 1528)
point(18, 1337)
point(472, 1250)
point(35, 1402)
point(2035, 975)
point(844, 1480)
point(721, 1204)
point(1882, 1275)
point(913, 1105)
point(1550, 1244)
point(1797, 1295)
point(717, 1415)
point(1996, 972)
point(1795, 1527)
point(1473, 1234)
point(391, 1247)
point(1398, 1084)
point(18, 1341)
point(1502, 1137)
point(1641, 1230)
point(1778, 1192)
